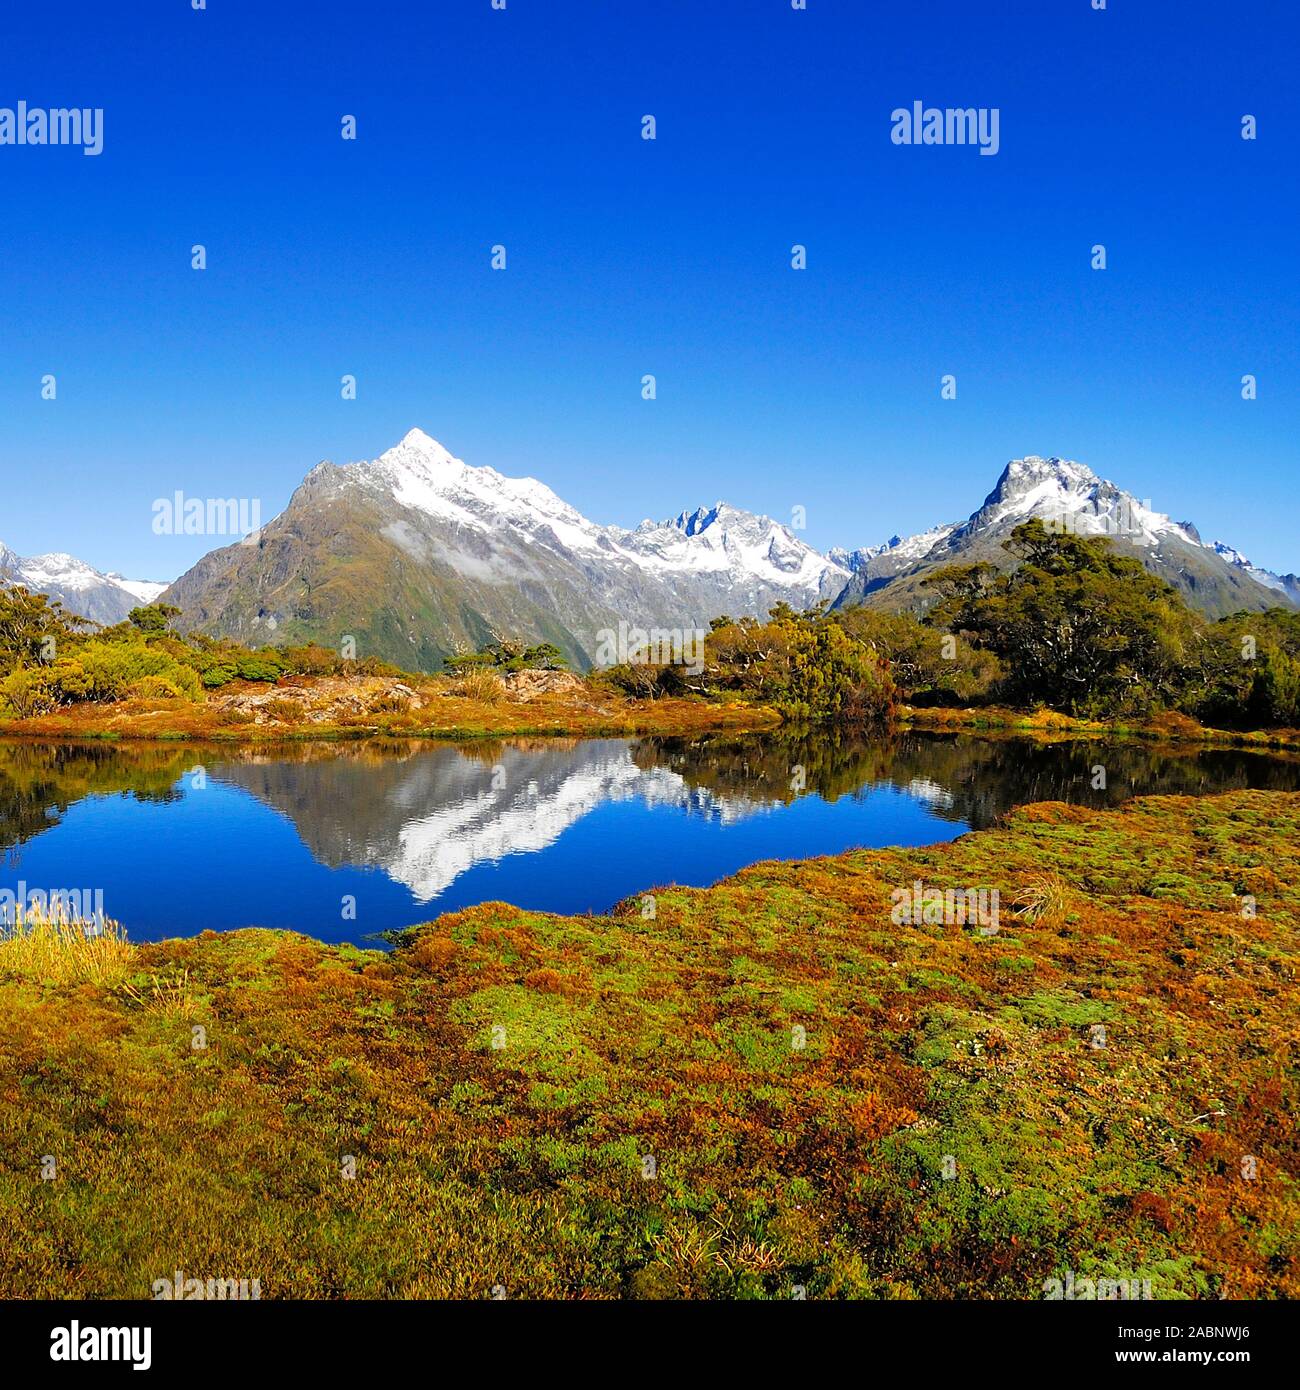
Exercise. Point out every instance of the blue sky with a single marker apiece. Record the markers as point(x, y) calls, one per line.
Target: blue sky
point(776, 388)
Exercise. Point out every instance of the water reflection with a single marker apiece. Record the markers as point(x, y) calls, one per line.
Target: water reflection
point(279, 836)
point(963, 778)
point(427, 815)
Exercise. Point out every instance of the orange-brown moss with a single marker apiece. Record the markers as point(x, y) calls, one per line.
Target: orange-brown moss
point(771, 1084)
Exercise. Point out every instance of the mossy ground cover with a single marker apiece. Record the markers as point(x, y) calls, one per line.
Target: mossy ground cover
point(768, 1085)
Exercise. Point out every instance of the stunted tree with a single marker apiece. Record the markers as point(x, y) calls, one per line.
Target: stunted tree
point(1078, 626)
point(29, 623)
point(154, 617)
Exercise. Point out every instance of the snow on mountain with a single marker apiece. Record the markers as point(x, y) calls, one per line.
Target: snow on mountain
point(423, 476)
point(897, 548)
point(1288, 584)
point(420, 555)
point(725, 540)
point(1068, 495)
point(146, 590)
point(1072, 495)
point(83, 590)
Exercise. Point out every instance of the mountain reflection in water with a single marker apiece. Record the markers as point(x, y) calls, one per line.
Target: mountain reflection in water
point(286, 836)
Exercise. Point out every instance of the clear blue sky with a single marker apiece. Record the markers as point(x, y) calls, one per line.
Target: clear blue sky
point(776, 388)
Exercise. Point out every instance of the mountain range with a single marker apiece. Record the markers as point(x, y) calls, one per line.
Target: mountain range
point(103, 598)
point(417, 555)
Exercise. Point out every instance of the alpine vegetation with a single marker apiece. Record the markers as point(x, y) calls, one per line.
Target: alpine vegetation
point(919, 905)
point(659, 646)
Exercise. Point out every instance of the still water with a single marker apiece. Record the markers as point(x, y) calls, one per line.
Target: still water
point(342, 841)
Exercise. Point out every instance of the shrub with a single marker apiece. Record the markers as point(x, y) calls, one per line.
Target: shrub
point(155, 688)
point(510, 656)
point(217, 675)
point(286, 711)
point(641, 681)
point(312, 659)
point(482, 686)
point(104, 670)
point(28, 692)
point(260, 666)
point(807, 665)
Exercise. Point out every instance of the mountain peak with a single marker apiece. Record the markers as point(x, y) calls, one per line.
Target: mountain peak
point(692, 523)
point(416, 442)
point(82, 589)
point(1034, 471)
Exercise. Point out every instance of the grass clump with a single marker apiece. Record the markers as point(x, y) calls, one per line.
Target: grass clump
point(482, 686)
point(53, 946)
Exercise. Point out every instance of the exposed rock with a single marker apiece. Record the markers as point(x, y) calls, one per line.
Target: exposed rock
point(323, 700)
point(528, 685)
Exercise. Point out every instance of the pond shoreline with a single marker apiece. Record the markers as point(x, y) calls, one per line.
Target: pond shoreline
point(1048, 725)
point(561, 717)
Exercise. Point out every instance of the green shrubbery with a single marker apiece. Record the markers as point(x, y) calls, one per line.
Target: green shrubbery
point(50, 659)
point(509, 656)
point(805, 664)
point(1080, 628)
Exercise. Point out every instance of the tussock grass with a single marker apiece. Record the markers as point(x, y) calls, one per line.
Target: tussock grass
point(1042, 900)
point(57, 948)
point(483, 687)
point(171, 996)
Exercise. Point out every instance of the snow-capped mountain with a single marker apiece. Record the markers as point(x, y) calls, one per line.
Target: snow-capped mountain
point(418, 554)
point(146, 590)
point(750, 553)
point(103, 598)
point(1212, 577)
point(875, 565)
point(1285, 584)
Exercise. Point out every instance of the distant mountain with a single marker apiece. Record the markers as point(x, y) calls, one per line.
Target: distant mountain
point(145, 590)
point(880, 563)
point(1286, 585)
point(103, 598)
point(418, 555)
point(1212, 577)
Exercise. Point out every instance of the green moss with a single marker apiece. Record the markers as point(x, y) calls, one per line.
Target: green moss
point(768, 1085)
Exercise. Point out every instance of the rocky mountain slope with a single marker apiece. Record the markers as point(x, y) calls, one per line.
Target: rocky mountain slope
point(417, 555)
